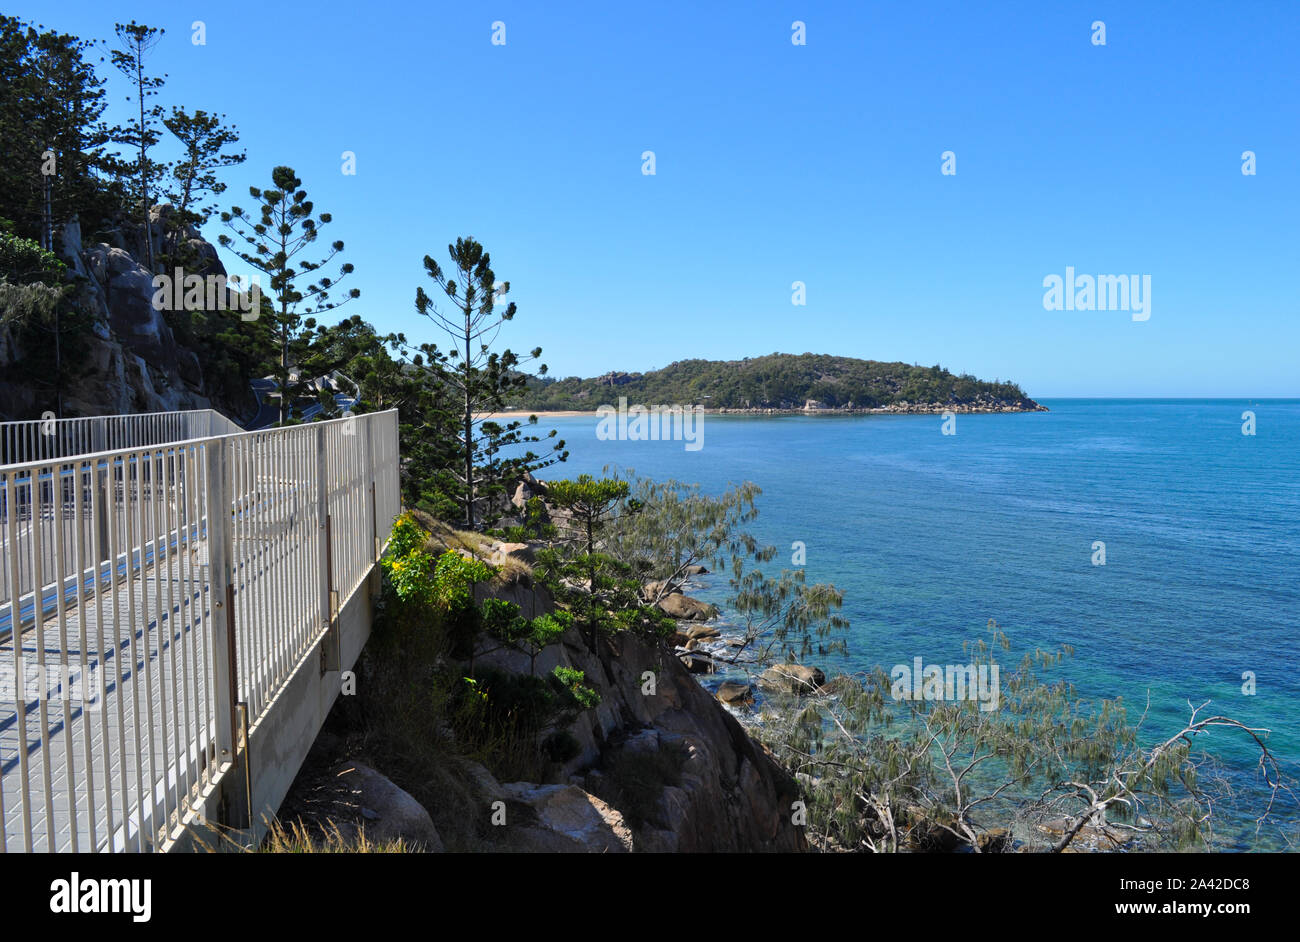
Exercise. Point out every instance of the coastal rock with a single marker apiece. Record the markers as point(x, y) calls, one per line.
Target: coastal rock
point(730, 796)
point(995, 841)
point(531, 596)
point(732, 692)
point(697, 663)
point(733, 795)
point(528, 488)
point(686, 608)
point(483, 781)
point(653, 590)
point(793, 678)
point(926, 837)
point(643, 741)
point(702, 632)
point(520, 551)
point(384, 811)
point(1090, 839)
point(564, 819)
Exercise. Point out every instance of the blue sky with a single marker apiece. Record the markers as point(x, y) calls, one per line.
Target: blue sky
point(779, 163)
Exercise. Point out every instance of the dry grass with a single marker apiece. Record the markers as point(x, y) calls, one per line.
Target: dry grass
point(513, 570)
point(443, 537)
point(297, 839)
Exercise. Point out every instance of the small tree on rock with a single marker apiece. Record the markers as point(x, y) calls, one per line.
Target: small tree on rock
point(481, 379)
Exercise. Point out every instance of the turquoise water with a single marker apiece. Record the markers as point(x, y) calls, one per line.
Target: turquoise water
point(931, 535)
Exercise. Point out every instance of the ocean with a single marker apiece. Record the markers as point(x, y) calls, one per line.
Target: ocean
point(931, 535)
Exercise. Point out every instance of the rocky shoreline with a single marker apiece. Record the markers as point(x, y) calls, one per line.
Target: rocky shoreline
point(900, 408)
point(777, 692)
point(811, 408)
point(706, 649)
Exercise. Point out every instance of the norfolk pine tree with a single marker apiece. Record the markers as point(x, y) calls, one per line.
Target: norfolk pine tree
point(481, 379)
point(141, 132)
point(194, 177)
point(51, 101)
point(285, 229)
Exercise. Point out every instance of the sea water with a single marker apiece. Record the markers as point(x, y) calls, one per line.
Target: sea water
point(1157, 537)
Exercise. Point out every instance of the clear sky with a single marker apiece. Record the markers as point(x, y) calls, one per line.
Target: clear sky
point(778, 163)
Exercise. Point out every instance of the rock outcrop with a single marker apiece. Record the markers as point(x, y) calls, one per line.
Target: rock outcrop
point(658, 764)
point(133, 361)
point(732, 795)
point(732, 692)
point(352, 798)
point(793, 678)
point(384, 811)
point(561, 818)
point(685, 608)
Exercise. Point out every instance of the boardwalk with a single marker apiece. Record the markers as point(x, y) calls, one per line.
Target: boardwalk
point(171, 608)
point(132, 692)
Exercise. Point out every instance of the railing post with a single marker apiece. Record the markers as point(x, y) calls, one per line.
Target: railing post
point(102, 494)
point(330, 653)
point(221, 595)
point(369, 478)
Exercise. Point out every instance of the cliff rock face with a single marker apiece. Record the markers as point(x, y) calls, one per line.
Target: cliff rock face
point(732, 795)
point(729, 793)
point(133, 363)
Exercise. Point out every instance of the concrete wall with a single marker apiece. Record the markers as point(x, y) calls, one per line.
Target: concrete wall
point(279, 743)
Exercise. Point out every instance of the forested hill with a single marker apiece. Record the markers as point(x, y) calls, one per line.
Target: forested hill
point(783, 381)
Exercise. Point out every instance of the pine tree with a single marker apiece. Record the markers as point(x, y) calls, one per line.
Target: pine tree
point(284, 230)
point(141, 132)
point(481, 379)
point(194, 177)
point(589, 505)
point(51, 107)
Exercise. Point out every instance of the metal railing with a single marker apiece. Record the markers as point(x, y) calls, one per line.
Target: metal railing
point(42, 439)
point(47, 439)
point(150, 589)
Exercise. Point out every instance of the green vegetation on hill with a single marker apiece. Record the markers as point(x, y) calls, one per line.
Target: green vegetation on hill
point(776, 381)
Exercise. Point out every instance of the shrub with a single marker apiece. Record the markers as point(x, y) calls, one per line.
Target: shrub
point(500, 717)
point(561, 746)
point(454, 578)
point(571, 680)
point(407, 536)
point(24, 262)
